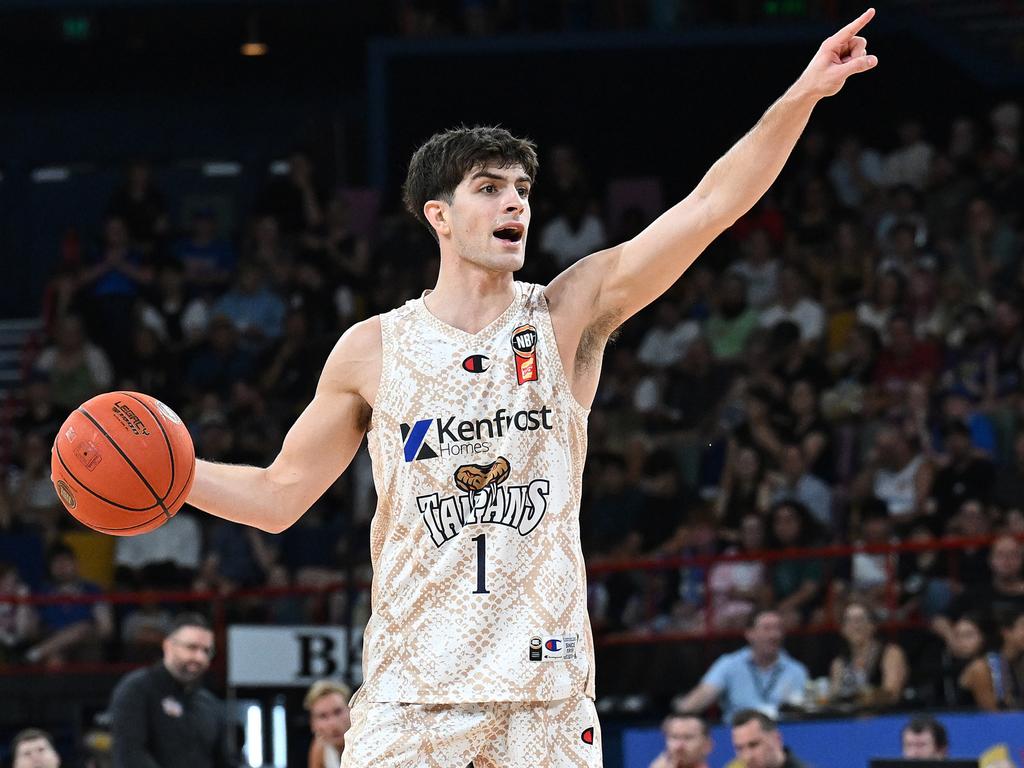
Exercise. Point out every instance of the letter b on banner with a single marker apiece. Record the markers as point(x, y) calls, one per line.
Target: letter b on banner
point(316, 656)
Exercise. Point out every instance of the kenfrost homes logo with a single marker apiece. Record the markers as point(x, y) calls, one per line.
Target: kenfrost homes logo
point(430, 438)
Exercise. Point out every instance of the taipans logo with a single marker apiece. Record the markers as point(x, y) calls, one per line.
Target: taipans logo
point(553, 645)
point(476, 363)
point(469, 436)
point(587, 737)
point(524, 344)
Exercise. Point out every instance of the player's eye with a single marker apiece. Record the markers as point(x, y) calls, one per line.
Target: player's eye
point(524, 191)
point(488, 188)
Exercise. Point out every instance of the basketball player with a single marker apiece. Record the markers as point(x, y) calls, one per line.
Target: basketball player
point(474, 399)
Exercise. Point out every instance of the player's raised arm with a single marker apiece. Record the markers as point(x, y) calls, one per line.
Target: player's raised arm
point(622, 280)
point(316, 450)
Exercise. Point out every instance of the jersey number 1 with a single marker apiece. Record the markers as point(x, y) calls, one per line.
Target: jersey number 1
point(481, 565)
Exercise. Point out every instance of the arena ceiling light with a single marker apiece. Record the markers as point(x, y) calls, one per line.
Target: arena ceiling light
point(253, 46)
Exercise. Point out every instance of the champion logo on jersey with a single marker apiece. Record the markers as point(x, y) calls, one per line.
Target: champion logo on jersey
point(524, 344)
point(413, 439)
point(553, 645)
point(476, 363)
point(587, 737)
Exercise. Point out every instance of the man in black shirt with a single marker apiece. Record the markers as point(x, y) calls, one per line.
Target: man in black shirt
point(758, 742)
point(162, 717)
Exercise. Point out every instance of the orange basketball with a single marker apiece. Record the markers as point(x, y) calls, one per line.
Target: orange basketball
point(123, 463)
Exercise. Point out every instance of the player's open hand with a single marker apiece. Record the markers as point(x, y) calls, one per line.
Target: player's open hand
point(843, 54)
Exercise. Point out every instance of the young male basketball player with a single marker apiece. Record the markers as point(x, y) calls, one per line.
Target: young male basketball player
point(474, 400)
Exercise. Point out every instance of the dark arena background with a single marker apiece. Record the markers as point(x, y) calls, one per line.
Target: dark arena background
point(823, 418)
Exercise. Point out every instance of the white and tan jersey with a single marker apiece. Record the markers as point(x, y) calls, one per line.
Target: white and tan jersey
point(478, 446)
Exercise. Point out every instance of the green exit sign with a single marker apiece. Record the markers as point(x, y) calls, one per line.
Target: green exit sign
point(785, 8)
point(76, 28)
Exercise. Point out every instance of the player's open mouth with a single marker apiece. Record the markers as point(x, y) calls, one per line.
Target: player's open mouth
point(511, 233)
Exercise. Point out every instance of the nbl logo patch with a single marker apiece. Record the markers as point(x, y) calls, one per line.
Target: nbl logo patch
point(413, 441)
point(524, 344)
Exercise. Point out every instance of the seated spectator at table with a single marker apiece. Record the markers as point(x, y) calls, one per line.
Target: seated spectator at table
point(329, 720)
point(924, 738)
point(18, 621)
point(71, 631)
point(758, 742)
point(869, 673)
point(761, 675)
point(797, 584)
point(688, 742)
point(996, 680)
point(738, 586)
point(966, 641)
point(34, 748)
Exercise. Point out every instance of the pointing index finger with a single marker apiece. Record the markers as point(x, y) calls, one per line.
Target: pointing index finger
point(855, 26)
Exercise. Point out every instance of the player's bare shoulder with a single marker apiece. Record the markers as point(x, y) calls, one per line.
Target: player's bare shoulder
point(354, 364)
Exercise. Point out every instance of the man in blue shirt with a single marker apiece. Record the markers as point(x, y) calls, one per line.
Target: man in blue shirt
point(760, 676)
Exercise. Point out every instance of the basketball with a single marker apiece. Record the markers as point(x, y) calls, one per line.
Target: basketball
point(123, 463)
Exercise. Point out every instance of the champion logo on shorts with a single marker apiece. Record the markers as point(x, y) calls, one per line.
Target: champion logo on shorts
point(587, 737)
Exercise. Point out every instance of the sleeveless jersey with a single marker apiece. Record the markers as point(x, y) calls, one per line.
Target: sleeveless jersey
point(478, 446)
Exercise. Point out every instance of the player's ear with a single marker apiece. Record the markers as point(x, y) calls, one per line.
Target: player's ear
point(436, 214)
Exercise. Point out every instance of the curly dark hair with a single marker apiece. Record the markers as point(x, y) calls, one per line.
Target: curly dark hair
point(443, 161)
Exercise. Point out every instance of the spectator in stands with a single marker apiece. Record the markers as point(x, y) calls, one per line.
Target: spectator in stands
point(904, 360)
point(75, 631)
point(887, 298)
point(965, 643)
point(996, 680)
point(797, 583)
point(208, 261)
point(217, 364)
point(141, 206)
point(758, 742)
point(924, 738)
point(738, 586)
point(329, 720)
point(666, 342)
point(162, 715)
point(77, 368)
point(732, 320)
point(253, 308)
point(795, 305)
point(38, 412)
point(898, 475)
point(688, 742)
point(179, 321)
point(1004, 592)
point(743, 490)
point(293, 199)
point(759, 268)
point(989, 245)
point(574, 232)
point(809, 430)
point(111, 283)
point(18, 621)
point(761, 676)
point(856, 172)
point(869, 673)
point(870, 573)
point(965, 473)
point(34, 748)
point(794, 483)
point(166, 558)
point(911, 162)
point(33, 505)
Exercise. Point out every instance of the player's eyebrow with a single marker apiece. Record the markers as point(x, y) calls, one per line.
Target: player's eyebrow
point(497, 177)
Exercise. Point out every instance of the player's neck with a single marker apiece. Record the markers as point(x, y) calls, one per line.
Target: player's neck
point(470, 298)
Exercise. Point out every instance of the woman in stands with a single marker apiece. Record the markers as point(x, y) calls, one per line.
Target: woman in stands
point(870, 672)
point(996, 680)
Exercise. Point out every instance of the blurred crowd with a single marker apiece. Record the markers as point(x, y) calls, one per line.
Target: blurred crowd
point(843, 365)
